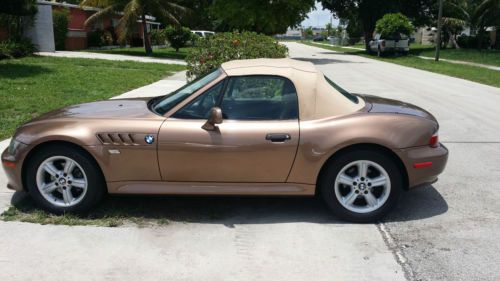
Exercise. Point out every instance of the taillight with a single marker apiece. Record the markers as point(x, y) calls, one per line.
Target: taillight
point(434, 141)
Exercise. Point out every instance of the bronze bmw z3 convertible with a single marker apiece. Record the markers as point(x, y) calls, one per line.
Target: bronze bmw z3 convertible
point(250, 127)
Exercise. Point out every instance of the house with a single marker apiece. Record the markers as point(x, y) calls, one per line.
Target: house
point(427, 35)
point(78, 36)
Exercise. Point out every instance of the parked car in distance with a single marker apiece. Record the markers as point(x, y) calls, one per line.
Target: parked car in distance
point(318, 38)
point(251, 127)
point(203, 33)
point(398, 43)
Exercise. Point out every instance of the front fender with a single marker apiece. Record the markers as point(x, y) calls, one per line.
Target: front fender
point(128, 162)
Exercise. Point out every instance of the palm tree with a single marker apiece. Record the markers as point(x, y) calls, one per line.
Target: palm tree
point(131, 11)
point(478, 14)
point(451, 28)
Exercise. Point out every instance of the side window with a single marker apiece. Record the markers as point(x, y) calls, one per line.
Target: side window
point(260, 98)
point(201, 105)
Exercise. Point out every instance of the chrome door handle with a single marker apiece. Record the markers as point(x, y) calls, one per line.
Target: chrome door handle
point(278, 137)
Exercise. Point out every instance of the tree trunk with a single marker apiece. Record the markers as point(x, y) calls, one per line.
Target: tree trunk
point(479, 37)
point(368, 34)
point(368, 25)
point(147, 43)
point(454, 41)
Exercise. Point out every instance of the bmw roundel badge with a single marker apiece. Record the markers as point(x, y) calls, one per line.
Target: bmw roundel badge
point(149, 139)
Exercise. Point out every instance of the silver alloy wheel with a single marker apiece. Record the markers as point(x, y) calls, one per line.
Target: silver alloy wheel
point(362, 186)
point(61, 181)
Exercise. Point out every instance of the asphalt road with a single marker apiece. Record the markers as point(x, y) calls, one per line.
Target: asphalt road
point(447, 231)
point(450, 230)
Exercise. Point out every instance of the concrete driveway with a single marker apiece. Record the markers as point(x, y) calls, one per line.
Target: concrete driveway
point(448, 231)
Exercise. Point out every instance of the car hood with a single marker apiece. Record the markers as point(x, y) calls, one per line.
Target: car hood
point(383, 105)
point(109, 109)
point(80, 123)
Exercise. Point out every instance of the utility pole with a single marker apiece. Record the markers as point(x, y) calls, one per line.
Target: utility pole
point(438, 40)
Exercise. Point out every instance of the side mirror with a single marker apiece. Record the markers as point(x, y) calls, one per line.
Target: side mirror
point(214, 118)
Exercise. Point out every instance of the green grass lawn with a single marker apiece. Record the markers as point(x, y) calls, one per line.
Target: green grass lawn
point(358, 45)
point(472, 73)
point(489, 57)
point(164, 53)
point(34, 85)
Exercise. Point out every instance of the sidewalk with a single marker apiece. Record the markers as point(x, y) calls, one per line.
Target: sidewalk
point(85, 55)
point(158, 88)
point(345, 47)
point(497, 68)
point(5, 194)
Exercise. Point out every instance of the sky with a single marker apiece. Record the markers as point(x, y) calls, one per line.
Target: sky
point(319, 17)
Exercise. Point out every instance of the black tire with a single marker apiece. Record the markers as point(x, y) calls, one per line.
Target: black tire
point(327, 183)
point(96, 187)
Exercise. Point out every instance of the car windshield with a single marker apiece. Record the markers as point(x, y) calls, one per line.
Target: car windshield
point(348, 95)
point(167, 102)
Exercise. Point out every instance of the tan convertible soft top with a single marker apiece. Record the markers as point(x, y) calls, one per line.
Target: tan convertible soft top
point(317, 98)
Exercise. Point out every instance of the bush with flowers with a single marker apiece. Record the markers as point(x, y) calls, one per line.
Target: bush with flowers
point(210, 52)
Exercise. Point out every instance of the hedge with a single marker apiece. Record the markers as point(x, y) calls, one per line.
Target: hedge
point(210, 52)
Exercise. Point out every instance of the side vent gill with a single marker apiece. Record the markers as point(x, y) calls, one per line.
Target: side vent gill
point(117, 139)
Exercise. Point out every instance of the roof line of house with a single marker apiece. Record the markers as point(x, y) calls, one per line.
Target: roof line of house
point(64, 4)
point(75, 6)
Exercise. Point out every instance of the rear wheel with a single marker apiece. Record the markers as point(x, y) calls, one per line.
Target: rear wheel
point(361, 186)
point(63, 179)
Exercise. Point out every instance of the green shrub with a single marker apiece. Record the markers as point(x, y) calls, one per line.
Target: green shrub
point(177, 36)
point(211, 52)
point(106, 38)
point(60, 18)
point(392, 25)
point(471, 42)
point(94, 38)
point(99, 38)
point(11, 49)
point(158, 37)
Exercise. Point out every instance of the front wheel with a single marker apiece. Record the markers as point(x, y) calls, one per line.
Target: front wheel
point(361, 186)
point(63, 179)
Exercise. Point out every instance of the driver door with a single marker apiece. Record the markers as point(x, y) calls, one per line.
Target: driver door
point(256, 142)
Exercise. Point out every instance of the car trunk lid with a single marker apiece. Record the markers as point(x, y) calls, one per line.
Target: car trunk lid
point(383, 105)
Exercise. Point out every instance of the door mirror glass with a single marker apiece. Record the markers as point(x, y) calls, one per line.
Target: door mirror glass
point(214, 118)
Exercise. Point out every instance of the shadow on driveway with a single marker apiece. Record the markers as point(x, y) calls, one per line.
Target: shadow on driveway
point(320, 61)
point(417, 204)
point(420, 203)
